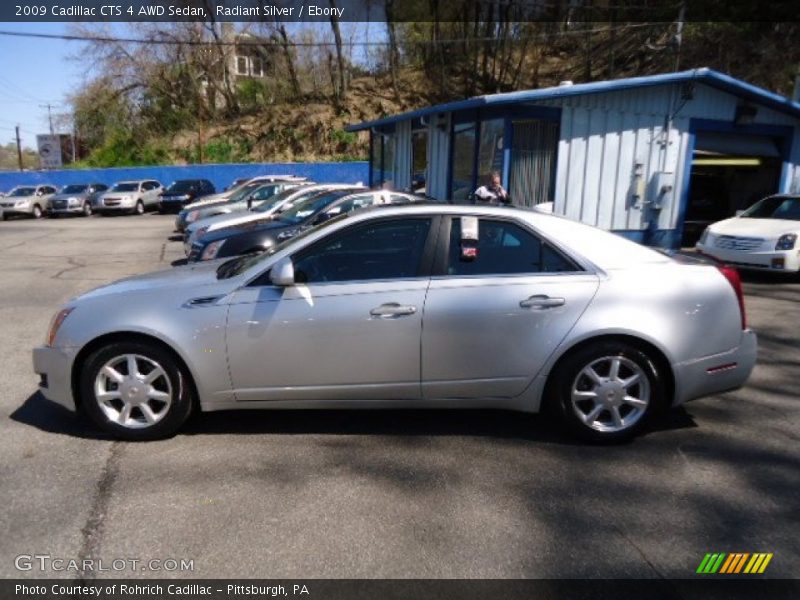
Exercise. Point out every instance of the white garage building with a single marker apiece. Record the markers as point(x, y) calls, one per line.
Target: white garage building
point(653, 158)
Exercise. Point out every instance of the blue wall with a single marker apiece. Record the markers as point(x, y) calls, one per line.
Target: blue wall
point(220, 175)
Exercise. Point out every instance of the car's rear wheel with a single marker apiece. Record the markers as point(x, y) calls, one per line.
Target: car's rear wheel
point(37, 211)
point(135, 391)
point(607, 392)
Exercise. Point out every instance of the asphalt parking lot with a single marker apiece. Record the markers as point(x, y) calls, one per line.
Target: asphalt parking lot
point(382, 494)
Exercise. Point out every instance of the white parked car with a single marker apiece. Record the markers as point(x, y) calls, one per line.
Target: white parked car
point(29, 200)
point(129, 197)
point(765, 236)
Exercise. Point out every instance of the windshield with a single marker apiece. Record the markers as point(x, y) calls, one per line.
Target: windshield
point(240, 264)
point(243, 192)
point(184, 185)
point(22, 191)
point(302, 197)
point(125, 187)
point(74, 188)
point(261, 192)
point(274, 200)
point(775, 207)
point(303, 210)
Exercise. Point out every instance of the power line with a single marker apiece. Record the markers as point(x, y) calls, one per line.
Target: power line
point(298, 44)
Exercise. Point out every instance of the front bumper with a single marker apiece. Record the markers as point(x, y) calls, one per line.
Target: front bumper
point(767, 260)
point(717, 373)
point(53, 365)
point(70, 210)
point(16, 211)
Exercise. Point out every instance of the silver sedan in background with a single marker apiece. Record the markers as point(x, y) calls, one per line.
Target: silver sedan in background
point(410, 306)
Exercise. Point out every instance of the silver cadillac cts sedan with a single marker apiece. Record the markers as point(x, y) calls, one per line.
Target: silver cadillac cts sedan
point(410, 306)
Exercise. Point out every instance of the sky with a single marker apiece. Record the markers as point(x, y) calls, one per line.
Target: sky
point(34, 72)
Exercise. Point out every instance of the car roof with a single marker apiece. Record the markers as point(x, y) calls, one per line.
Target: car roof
point(603, 248)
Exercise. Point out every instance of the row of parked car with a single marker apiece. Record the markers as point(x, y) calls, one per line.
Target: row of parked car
point(257, 214)
point(124, 197)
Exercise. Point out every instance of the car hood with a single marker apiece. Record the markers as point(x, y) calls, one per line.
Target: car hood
point(769, 228)
point(201, 205)
point(267, 227)
point(206, 200)
point(194, 276)
point(227, 220)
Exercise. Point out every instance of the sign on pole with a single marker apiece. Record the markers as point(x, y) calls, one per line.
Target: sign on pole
point(49, 150)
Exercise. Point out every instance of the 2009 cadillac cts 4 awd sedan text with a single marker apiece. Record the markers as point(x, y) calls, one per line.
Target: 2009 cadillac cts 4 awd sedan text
point(415, 306)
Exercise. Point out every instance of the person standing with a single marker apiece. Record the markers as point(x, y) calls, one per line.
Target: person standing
point(493, 192)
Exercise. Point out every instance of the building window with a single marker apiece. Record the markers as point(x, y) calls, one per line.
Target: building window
point(382, 159)
point(241, 65)
point(419, 159)
point(490, 151)
point(257, 66)
point(388, 160)
point(463, 168)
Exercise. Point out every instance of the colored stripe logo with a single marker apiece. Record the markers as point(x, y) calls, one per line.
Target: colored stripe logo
point(734, 563)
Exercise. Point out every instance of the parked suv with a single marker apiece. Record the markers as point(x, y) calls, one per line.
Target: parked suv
point(182, 192)
point(75, 199)
point(30, 200)
point(133, 197)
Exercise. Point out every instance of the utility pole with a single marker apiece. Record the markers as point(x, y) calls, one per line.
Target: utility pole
point(19, 148)
point(49, 116)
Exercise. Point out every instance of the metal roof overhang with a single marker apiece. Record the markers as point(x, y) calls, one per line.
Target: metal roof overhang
point(710, 77)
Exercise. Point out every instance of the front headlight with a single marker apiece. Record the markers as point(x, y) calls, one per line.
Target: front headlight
point(192, 216)
point(55, 324)
point(210, 252)
point(22, 203)
point(786, 242)
point(72, 200)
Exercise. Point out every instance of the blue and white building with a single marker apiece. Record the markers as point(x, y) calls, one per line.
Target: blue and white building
point(653, 158)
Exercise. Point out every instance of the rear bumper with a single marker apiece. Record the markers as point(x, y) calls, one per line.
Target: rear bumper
point(53, 366)
point(769, 260)
point(717, 373)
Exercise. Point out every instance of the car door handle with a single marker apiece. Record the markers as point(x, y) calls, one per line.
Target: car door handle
point(541, 302)
point(392, 309)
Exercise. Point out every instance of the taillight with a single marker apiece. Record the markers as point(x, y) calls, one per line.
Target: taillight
point(732, 275)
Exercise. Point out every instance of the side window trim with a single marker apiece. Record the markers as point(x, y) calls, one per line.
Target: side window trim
point(439, 270)
point(425, 263)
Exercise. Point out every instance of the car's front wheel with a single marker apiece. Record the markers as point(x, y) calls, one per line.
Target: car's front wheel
point(139, 209)
point(37, 212)
point(135, 391)
point(607, 392)
point(87, 210)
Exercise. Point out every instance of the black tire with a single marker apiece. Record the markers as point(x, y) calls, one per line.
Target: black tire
point(87, 209)
point(139, 209)
point(565, 378)
point(175, 414)
point(5, 217)
point(37, 213)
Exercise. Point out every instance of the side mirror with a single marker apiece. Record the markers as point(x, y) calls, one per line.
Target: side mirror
point(282, 273)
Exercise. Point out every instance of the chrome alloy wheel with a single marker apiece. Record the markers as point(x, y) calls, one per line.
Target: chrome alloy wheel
point(610, 394)
point(133, 391)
